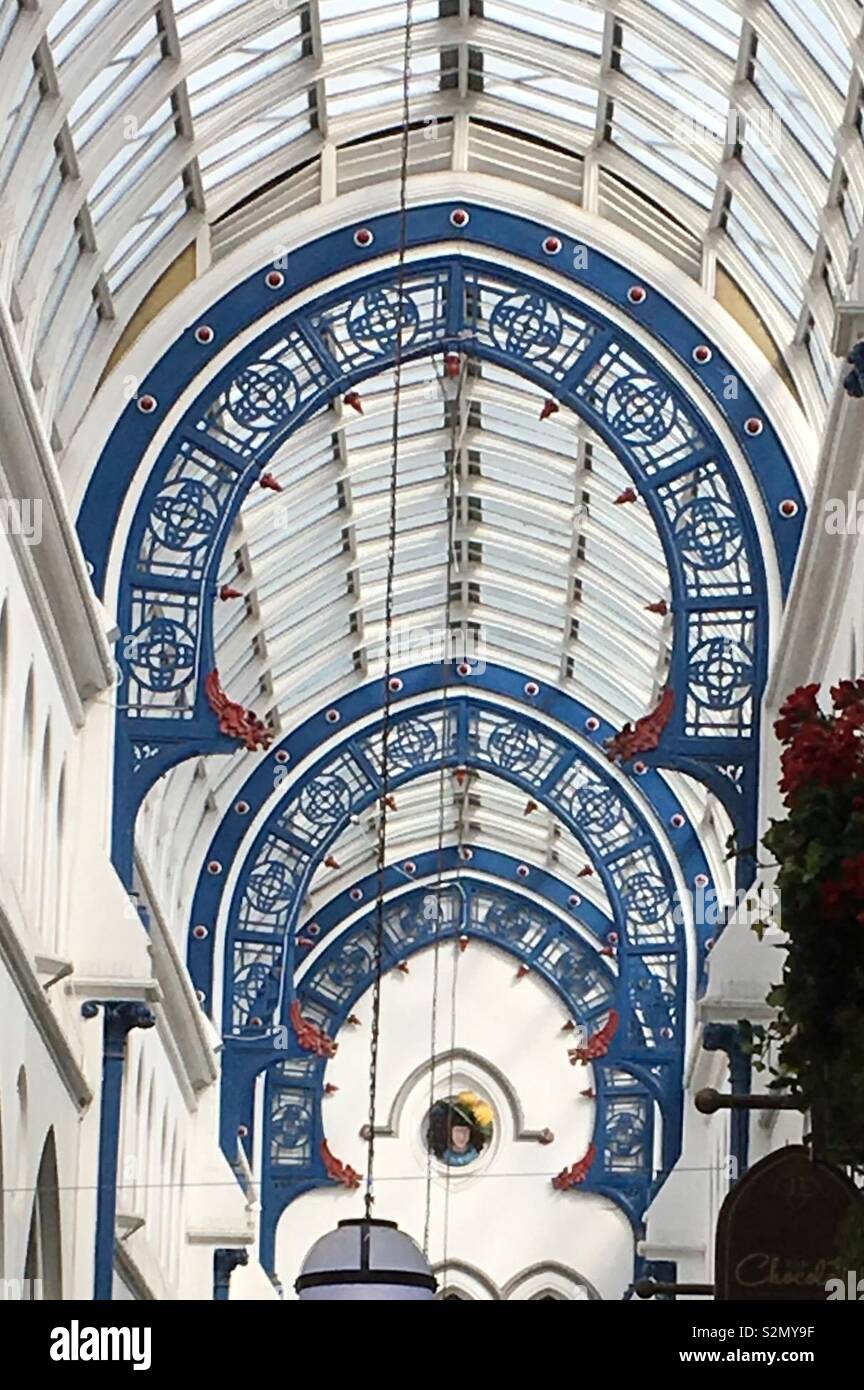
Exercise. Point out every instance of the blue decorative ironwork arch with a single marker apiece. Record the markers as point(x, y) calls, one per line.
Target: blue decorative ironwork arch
point(510, 295)
point(634, 1076)
point(265, 944)
point(304, 826)
point(454, 301)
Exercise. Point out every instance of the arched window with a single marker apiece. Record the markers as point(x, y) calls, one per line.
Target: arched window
point(59, 904)
point(43, 1264)
point(43, 855)
point(19, 1141)
point(545, 1283)
point(26, 783)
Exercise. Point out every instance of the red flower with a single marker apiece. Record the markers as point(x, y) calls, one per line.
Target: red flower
point(800, 708)
point(845, 896)
point(821, 753)
point(848, 693)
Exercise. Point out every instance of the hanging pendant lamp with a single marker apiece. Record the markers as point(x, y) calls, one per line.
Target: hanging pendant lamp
point(366, 1260)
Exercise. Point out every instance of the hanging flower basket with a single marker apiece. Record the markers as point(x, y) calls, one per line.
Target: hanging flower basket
point(819, 848)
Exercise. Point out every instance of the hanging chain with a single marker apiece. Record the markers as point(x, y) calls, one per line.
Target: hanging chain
point(451, 524)
point(388, 617)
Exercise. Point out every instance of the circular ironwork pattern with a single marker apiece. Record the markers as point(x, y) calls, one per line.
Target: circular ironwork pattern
point(709, 533)
point(510, 923)
point(291, 1123)
point(270, 887)
point(263, 396)
point(351, 966)
point(640, 410)
point(253, 984)
point(646, 897)
point(381, 318)
point(185, 515)
point(162, 655)
point(526, 325)
point(578, 976)
point(325, 800)
point(513, 747)
point(625, 1133)
point(721, 673)
point(412, 743)
point(597, 809)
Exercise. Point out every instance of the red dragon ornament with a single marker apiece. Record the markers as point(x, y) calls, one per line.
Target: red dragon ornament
point(644, 735)
point(234, 720)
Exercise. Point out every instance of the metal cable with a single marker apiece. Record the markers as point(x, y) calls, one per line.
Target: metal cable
point(451, 521)
point(388, 616)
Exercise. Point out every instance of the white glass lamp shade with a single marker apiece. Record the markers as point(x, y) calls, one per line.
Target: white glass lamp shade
point(369, 1261)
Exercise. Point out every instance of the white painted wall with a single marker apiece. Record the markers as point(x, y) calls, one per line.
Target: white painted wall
point(499, 1217)
point(69, 932)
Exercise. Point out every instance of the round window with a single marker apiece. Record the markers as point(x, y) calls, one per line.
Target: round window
point(459, 1128)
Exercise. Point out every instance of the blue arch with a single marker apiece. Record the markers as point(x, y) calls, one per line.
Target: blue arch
point(354, 711)
point(297, 365)
point(472, 301)
point(296, 837)
point(628, 1081)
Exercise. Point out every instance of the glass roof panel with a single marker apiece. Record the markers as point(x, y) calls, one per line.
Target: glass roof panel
point(796, 110)
point(546, 571)
point(253, 90)
point(115, 83)
point(663, 155)
point(824, 42)
point(73, 23)
point(713, 21)
point(351, 19)
point(561, 21)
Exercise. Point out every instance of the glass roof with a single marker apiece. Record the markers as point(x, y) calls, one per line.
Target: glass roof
point(551, 577)
point(131, 125)
point(726, 136)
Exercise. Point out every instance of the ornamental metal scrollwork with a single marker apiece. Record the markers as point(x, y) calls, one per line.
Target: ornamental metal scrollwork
point(411, 743)
point(597, 809)
point(640, 410)
point(270, 886)
point(625, 1129)
point(326, 800)
point(162, 654)
point(263, 396)
point(709, 533)
point(256, 991)
point(526, 325)
point(291, 1124)
point(513, 747)
point(185, 515)
point(382, 317)
point(646, 897)
point(721, 673)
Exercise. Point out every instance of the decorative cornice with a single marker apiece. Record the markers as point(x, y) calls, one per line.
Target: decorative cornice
point(32, 993)
point(71, 621)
